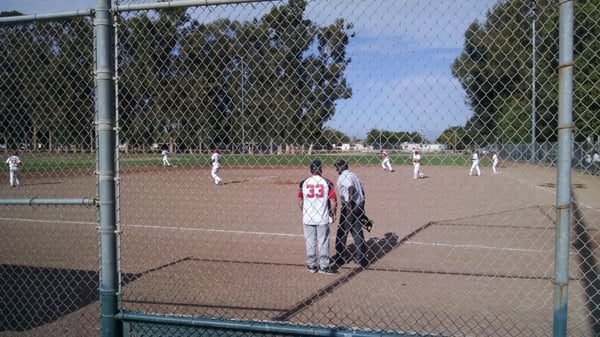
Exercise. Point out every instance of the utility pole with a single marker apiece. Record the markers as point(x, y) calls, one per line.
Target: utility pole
point(533, 14)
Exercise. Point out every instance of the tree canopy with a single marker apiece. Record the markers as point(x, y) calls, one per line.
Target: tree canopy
point(272, 79)
point(496, 66)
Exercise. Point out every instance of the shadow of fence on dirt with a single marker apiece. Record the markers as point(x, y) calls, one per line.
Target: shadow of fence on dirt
point(377, 249)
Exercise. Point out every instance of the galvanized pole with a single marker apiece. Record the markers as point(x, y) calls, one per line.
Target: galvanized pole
point(106, 154)
point(563, 190)
point(533, 14)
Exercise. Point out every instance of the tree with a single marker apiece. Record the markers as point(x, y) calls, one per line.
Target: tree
point(392, 139)
point(455, 138)
point(224, 83)
point(495, 70)
point(332, 136)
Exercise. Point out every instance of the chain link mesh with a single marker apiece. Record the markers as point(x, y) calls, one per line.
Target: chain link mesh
point(273, 85)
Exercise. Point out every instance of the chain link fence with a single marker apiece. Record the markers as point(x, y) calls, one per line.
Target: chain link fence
point(270, 86)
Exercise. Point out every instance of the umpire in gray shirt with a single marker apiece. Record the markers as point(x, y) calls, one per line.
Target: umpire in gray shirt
point(352, 197)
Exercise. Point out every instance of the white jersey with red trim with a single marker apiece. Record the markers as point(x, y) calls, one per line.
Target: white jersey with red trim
point(315, 192)
point(13, 162)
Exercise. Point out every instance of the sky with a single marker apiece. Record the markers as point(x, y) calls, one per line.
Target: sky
point(401, 55)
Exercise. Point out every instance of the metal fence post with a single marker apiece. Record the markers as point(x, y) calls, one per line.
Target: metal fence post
point(105, 127)
point(563, 195)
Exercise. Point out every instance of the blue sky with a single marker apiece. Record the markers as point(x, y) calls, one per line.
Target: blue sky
point(401, 57)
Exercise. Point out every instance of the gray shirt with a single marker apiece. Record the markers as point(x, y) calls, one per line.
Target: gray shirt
point(346, 180)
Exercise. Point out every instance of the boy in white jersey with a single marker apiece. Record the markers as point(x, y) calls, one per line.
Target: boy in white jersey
point(317, 201)
point(494, 161)
point(475, 165)
point(385, 161)
point(14, 165)
point(215, 162)
point(416, 165)
point(165, 157)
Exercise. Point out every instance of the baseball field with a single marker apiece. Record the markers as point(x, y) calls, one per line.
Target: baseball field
point(450, 254)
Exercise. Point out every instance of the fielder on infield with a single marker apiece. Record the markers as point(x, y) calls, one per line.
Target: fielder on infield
point(215, 161)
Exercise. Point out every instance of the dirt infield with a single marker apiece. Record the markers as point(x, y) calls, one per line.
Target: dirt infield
point(450, 254)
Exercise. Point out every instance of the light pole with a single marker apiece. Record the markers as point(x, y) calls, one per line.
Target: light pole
point(533, 15)
point(242, 115)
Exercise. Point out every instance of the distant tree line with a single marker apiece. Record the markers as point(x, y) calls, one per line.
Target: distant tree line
point(274, 79)
point(383, 139)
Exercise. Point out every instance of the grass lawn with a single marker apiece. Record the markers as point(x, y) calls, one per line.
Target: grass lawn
point(57, 161)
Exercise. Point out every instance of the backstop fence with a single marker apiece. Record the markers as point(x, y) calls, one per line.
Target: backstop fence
point(116, 220)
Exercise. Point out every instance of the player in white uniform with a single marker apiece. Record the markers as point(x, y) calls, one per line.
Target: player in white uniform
point(385, 163)
point(14, 165)
point(416, 160)
point(494, 161)
point(165, 158)
point(317, 201)
point(412, 156)
point(475, 165)
point(596, 162)
point(215, 161)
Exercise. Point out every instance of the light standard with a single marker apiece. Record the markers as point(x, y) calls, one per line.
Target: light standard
point(240, 67)
point(532, 13)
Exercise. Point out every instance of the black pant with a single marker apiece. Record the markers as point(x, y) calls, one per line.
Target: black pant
point(349, 223)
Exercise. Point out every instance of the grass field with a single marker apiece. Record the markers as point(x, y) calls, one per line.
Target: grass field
point(56, 161)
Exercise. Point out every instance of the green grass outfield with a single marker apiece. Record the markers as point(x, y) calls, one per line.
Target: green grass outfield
point(57, 161)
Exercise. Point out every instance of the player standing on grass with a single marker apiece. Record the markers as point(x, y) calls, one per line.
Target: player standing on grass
point(475, 165)
point(352, 198)
point(317, 201)
point(385, 163)
point(165, 157)
point(215, 161)
point(14, 165)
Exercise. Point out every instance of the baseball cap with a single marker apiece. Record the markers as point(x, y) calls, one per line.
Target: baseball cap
point(315, 166)
point(341, 165)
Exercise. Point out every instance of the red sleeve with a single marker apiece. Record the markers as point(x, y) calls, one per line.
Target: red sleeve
point(300, 196)
point(332, 194)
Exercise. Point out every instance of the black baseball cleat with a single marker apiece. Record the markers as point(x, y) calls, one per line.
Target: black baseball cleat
point(327, 270)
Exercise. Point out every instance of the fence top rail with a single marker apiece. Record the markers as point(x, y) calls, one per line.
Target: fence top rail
point(41, 201)
point(45, 17)
point(121, 8)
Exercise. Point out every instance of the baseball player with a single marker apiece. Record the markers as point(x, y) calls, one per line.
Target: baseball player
point(385, 163)
point(215, 161)
point(494, 161)
point(317, 201)
point(475, 165)
point(165, 157)
point(14, 166)
point(416, 160)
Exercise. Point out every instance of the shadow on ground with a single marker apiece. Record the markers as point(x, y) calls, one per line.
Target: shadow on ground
point(584, 245)
point(377, 249)
point(34, 296)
